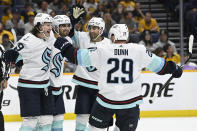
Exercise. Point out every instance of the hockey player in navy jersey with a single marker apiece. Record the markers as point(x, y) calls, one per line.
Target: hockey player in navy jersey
point(33, 53)
point(61, 25)
point(119, 68)
point(86, 78)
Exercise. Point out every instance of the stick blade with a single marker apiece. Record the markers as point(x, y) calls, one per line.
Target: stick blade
point(191, 41)
point(14, 34)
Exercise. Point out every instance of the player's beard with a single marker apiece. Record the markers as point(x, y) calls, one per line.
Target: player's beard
point(93, 36)
point(64, 33)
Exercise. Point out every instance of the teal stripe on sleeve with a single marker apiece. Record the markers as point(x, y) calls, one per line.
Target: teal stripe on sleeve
point(75, 38)
point(83, 57)
point(156, 64)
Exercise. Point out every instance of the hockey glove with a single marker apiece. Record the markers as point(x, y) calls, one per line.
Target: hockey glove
point(10, 56)
point(60, 43)
point(77, 12)
point(177, 72)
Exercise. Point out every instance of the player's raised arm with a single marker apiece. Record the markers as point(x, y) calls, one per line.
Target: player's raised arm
point(77, 13)
point(74, 55)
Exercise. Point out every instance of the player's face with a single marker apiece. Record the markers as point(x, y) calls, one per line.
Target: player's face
point(64, 29)
point(47, 27)
point(93, 31)
point(112, 38)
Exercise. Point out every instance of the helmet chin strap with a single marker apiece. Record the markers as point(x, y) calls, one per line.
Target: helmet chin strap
point(42, 31)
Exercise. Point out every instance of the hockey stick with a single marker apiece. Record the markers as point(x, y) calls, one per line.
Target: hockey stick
point(15, 37)
point(191, 39)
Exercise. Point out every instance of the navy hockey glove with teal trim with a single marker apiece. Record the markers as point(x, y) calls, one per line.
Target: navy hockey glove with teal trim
point(177, 72)
point(60, 43)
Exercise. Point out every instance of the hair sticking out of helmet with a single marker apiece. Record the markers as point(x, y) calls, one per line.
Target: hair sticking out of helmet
point(42, 18)
point(98, 22)
point(119, 31)
point(60, 20)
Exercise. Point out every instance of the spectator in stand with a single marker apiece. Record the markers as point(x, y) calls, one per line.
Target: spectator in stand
point(128, 4)
point(170, 55)
point(2, 32)
point(52, 13)
point(189, 65)
point(148, 23)
point(137, 13)
point(164, 40)
point(30, 24)
point(7, 15)
point(117, 14)
point(6, 42)
point(147, 40)
point(6, 2)
point(129, 21)
point(112, 4)
point(90, 6)
point(16, 22)
point(100, 11)
point(108, 23)
point(191, 16)
point(132, 25)
point(44, 8)
point(24, 13)
point(56, 5)
point(65, 10)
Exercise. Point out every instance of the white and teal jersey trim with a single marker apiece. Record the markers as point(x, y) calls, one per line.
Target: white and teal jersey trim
point(85, 82)
point(119, 104)
point(33, 84)
point(83, 59)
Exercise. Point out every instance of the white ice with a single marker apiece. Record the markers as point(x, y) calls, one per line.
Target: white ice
point(145, 124)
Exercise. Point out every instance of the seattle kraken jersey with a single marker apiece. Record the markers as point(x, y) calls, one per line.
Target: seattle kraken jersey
point(86, 76)
point(120, 66)
point(56, 66)
point(36, 55)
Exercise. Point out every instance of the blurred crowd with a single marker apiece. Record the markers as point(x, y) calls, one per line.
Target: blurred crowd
point(143, 28)
point(189, 12)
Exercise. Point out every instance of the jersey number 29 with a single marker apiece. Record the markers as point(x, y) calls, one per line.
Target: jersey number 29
point(126, 68)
